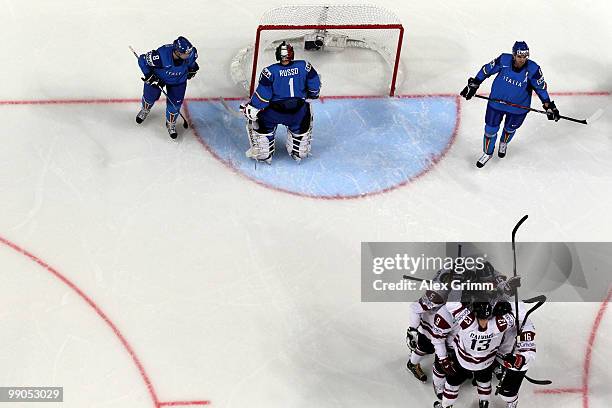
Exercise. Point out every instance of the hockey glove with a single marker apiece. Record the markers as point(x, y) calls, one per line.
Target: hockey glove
point(412, 336)
point(470, 89)
point(249, 111)
point(513, 361)
point(509, 286)
point(153, 80)
point(448, 366)
point(312, 94)
point(551, 111)
point(192, 71)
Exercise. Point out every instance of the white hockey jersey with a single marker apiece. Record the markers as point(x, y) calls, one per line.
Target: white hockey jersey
point(526, 345)
point(475, 347)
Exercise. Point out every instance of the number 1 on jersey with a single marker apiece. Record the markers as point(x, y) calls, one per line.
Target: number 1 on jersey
point(291, 87)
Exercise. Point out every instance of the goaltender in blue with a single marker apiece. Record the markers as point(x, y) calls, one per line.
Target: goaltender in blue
point(455, 284)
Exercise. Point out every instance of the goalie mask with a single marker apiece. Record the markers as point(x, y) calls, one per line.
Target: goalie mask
point(284, 52)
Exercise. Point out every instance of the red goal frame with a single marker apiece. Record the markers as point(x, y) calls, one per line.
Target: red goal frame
point(261, 28)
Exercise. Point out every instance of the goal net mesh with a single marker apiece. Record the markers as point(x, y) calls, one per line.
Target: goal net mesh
point(334, 39)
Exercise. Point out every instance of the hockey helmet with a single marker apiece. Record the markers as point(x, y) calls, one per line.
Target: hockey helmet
point(284, 51)
point(485, 273)
point(182, 45)
point(482, 310)
point(520, 49)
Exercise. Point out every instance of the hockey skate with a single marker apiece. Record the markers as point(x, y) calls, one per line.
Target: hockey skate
point(483, 404)
point(438, 404)
point(502, 150)
point(483, 160)
point(171, 126)
point(417, 371)
point(142, 115)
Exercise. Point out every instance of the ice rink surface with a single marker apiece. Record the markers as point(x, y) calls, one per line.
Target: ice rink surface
point(144, 272)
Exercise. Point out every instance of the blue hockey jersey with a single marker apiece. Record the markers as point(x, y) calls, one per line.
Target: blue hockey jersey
point(514, 86)
point(297, 80)
point(167, 69)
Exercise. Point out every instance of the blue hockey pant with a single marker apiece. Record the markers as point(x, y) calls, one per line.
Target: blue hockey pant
point(297, 122)
point(493, 118)
point(176, 93)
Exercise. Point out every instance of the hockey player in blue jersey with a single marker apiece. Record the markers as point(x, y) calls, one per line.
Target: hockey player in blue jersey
point(517, 76)
point(169, 66)
point(280, 99)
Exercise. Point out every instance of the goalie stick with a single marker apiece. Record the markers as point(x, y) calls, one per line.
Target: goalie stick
point(185, 125)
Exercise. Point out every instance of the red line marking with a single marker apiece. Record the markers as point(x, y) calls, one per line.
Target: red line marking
point(237, 98)
point(98, 311)
point(587, 359)
point(560, 391)
point(339, 197)
point(589, 352)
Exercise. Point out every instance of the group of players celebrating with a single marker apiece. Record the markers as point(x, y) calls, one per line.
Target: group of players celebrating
point(472, 336)
point(284, 88)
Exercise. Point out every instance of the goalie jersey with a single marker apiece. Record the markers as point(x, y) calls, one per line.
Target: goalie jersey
point(286, 84)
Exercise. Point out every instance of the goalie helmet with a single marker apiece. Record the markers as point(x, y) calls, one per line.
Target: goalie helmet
point(284, 51)
point(182, 45)
point(520, 49)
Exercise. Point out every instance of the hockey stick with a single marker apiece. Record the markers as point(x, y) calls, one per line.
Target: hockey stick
point(414, 278)
point(516, 301)
point(185, 125)
point(539, 299)
point(231, 111)
point(583, 121)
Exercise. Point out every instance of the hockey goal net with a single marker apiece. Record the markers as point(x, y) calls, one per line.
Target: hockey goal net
point(333, 38)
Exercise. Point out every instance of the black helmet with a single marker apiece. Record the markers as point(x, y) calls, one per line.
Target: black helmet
point(482, 310)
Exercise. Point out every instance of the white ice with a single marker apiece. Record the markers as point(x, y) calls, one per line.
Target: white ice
point(241, 295)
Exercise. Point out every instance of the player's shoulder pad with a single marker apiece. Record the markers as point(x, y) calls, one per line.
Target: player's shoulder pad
point(527, 336)
point(154, 59)
point(267, 72)
point(308, 66)
point(505, 59)
point(504, 322)
point(441, 320)
point(534, 69)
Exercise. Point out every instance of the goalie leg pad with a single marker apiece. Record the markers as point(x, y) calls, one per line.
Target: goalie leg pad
point(299, 144)
point(262, 144)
